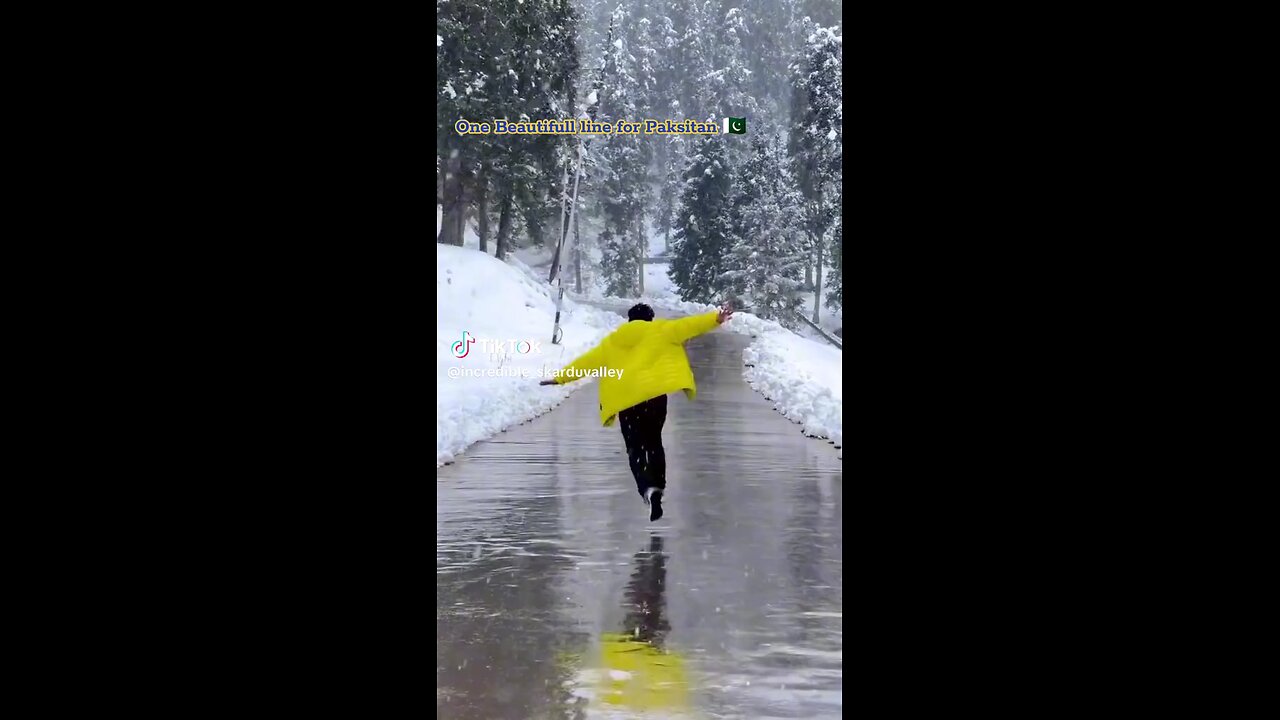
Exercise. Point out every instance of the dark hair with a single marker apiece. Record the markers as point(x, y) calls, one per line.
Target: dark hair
point(640, 312)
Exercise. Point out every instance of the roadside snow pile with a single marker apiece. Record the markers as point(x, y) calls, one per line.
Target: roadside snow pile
point(802, 377)
point(493, 302)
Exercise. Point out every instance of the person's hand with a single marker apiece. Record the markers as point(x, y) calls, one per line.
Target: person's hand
point(726, 312)
point(547, 382)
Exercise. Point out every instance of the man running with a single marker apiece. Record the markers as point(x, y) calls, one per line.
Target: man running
point(647, 361)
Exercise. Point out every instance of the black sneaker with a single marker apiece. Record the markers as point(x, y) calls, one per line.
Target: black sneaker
point(655, 505)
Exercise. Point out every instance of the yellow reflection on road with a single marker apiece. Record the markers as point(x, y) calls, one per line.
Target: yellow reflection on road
point(640, 676)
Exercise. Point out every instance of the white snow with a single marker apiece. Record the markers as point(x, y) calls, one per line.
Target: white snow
point(657, 284)
point(591, 98)
point(657, 243)
point(802, 377)
point(439, 41)
point(493, 300)
point(831, 135)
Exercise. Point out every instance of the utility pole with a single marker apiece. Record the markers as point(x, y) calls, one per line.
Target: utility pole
point(565, 226)
point(556, 333)
point(564, 198)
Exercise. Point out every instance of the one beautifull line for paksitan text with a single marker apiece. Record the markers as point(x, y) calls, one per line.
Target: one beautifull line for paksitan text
point(587, 127)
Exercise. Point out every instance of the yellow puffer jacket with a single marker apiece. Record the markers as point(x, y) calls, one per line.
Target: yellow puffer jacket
point(650, 357)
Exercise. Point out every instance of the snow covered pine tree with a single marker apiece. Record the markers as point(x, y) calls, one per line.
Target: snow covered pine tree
point(624, 164)
point(703, 230)
point(767, 259)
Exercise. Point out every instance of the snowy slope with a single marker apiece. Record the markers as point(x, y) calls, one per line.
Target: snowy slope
point(657, 284)
point(493, 300)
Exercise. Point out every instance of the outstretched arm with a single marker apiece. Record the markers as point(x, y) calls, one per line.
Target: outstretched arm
point(589, 360)
point(691, 327)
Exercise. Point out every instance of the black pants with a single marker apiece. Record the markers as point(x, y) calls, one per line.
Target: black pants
point(642, 431)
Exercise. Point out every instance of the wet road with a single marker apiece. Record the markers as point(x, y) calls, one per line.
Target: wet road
point(556, 597)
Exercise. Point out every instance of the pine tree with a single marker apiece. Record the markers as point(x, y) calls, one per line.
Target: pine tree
point(624, 160)
point(835, 286)
point(665, 102)
point(823, 12)
point(512, 59)
point(826, 99)
point(537, 81)
point(815, 140)
point(703, 229)
point(469, 37)
point(766, 261)
point(747, 192)
point(620, 262)
point(684, 61)
point(774, 41)
point(732, 64)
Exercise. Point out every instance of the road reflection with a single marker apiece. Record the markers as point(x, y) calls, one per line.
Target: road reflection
point(645, 603)
point(640, 672)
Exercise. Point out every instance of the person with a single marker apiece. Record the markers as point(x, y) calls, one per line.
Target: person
point(645, 360)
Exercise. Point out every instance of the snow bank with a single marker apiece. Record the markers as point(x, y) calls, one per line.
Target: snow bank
point(492, 301)
point(803, 378)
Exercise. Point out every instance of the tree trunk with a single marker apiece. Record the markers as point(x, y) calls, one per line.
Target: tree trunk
point(577, 256)
point(808, 276)
point(460, 216)
point(562, 239)
point(667, 210)
point(641, 247)
point(817, 292)
point(562, 244)
point(483, 210)
point(451, 222)
point(504, 224)
point(555, 265)
point(533, 227)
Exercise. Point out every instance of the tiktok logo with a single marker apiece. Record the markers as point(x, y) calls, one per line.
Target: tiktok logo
point(463, 346)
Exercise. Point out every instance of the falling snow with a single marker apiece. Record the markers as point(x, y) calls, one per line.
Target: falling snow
point(549, 574)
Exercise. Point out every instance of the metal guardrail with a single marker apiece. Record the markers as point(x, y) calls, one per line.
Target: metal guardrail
point(831, 339)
